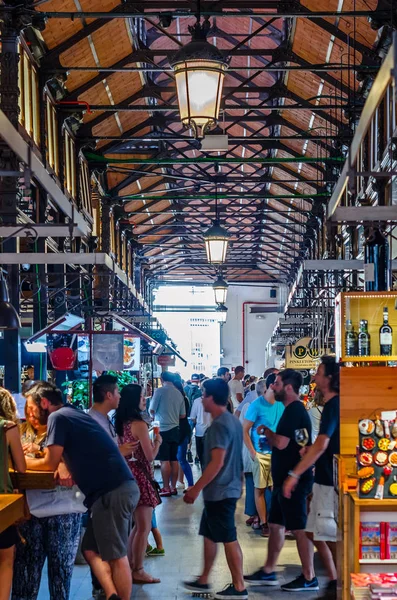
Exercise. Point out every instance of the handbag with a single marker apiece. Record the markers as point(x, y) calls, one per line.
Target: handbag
point(153, 482)
point(59, 501)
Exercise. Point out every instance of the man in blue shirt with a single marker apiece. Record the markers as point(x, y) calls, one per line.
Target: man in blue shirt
point(321, 525)
point(102, 474)
point(261, 412)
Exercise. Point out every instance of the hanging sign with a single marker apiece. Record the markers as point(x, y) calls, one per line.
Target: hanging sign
point(165, 360)
point(107, 352)
point(301, 356)
point(132, 353)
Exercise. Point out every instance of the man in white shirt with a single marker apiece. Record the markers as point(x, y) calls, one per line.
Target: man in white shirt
point(201, 421)
point(236, 387)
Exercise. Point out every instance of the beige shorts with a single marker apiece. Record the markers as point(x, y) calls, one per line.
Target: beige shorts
point(321, 520)
point(262, 471)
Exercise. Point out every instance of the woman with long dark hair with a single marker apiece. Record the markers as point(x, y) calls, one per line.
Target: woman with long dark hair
point(130, 427)
point(185, 434)
point(10, 444)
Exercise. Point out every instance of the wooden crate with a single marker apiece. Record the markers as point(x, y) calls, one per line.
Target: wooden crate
point(11, 509)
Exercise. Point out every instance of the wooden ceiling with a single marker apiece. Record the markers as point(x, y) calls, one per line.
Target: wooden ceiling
point(292, 78)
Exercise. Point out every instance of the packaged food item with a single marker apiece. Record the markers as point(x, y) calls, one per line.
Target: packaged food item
point(366, 427)
point(368, 443)
point(381, 458)
point(393, 459)
point(383, 444)
point(394, 429)
point(393, 489)
point(365, 472)
point(380, 488)
point(379, 429)
point(365, 459)
point(370, 533)
point(367, 485)
point(370, 552)
point(386, 426)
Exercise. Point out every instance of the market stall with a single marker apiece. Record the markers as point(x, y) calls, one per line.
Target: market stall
point(366, 470)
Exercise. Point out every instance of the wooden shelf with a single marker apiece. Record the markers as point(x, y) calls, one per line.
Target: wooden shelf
point(377, 561)
point(372, 504)
point(12, 507)
point(371, 358)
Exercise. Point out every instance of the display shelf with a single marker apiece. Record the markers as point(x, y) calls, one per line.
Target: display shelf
point(355, 306)
point(377, 561)
point(370, 504)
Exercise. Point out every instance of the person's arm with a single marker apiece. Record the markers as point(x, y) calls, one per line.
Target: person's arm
point(154, 403)
point(139, 430)
point(247, 438)
point(15, 446)
point(50, 461)
point(194, 411)
point(240, 394)
point(275, 440)
point(210, 472)
point(311, 456)
point(182, 409)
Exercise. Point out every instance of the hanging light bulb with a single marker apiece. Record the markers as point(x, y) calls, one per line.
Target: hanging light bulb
point(220, 290)
point(9, 318)
point(221, 312)
point(216, 239)
point(199, 69)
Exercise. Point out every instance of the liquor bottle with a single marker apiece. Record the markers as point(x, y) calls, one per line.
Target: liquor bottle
point(385, 335)
point(377, 264)
point(350, 340)
point(364, 339)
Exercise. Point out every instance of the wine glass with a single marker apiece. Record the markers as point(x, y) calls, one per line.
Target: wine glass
point(302, 437)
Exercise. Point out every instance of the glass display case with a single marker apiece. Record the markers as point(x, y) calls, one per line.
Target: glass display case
point(366, 327)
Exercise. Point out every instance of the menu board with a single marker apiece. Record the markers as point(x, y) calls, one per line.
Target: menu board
point(132, 353)
point(377, 457)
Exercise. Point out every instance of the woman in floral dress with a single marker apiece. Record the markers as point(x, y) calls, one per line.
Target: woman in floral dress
point(131, 427)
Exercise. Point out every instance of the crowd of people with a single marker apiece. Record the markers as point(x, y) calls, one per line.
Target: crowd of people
point(240, 428)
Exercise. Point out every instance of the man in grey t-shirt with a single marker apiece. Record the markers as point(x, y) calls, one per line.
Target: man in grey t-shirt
point(221, 483)
point(168, 407)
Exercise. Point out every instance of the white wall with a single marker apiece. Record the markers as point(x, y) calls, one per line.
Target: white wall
point(257, 331)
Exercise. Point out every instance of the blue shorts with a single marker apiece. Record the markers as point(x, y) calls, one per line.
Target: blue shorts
point(217, 522)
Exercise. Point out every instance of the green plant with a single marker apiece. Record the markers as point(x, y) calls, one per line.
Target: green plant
point(123, 378)
point(77, 392)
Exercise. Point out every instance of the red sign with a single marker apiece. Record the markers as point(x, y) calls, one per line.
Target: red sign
point(165, 360)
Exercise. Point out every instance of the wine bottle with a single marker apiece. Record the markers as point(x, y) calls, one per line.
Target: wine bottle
point(386, 335)
point(350, 339)
point(364, 339)
point(377, 265)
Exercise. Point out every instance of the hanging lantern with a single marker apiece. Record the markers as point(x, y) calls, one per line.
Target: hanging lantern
point(9, 318)
point(220, 290)
point(199, 69)
point(216, 240)
point(63, 359)
point(221, 312)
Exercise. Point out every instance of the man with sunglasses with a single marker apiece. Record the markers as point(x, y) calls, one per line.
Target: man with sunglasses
point(106, 398)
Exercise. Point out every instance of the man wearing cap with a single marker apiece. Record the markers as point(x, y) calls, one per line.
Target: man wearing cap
point(193, 390)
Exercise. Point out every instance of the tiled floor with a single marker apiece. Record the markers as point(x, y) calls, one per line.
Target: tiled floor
point(179, 525)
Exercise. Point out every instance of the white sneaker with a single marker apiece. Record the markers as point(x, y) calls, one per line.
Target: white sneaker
point(180, 486)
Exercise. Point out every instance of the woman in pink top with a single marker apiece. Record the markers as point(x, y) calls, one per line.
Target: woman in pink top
point(130, 427)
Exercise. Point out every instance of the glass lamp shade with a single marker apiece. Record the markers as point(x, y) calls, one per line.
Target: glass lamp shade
point(216, 241)
point(220, 290)
point(9, 318)
point(221, 312)
point(199, 69)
